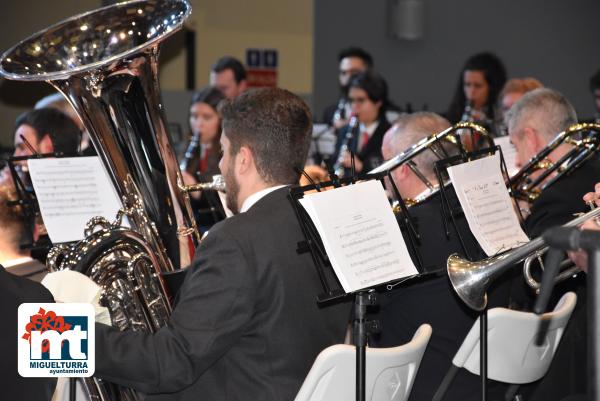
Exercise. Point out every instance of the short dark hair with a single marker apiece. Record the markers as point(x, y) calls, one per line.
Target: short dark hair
point(14, 219)
point(595, 81)
point(209, 95)
point(275, 125)
point(375, 86)
point(63, 131)
point(233, 64)
point(357, 52)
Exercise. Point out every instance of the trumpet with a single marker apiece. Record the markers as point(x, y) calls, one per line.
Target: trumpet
point(470, 280)
point(568, 269)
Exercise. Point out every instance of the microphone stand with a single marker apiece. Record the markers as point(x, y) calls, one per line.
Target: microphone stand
point(571, 238)
point(593, 287)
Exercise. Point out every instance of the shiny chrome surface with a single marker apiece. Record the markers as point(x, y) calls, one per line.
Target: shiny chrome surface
point(523, 186)
point(568, 269)
point(105, 63)
point(93, 40)
point(471, 279)
point(217, 184)
point(433, 143)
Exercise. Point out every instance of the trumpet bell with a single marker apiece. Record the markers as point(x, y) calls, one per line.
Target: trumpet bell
point(469, 280)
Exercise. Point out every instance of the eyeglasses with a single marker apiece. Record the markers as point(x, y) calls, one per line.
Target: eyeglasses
point(349, 72)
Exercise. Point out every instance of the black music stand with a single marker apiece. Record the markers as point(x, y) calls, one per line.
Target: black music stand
point(441, 168)
point(363, 298)
point(27, 199)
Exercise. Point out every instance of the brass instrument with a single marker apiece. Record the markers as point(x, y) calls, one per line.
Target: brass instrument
point(217, 184)
point(435, 144)
point(471, 279)
point(105, 62)
point(524, 186)
point(568, 269)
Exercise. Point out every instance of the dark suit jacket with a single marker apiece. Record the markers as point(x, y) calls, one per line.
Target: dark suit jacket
point(555, 206)
point(15, 290)
point(431, 299)
point(246, 325)
point(33, 270)
point(370, 154)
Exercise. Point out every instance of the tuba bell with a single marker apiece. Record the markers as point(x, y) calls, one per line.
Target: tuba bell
point(105, 62)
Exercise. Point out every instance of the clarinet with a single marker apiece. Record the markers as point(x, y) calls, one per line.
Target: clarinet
point(467, 115)
point(351, 133)
point(340, 111)
point(190, 154)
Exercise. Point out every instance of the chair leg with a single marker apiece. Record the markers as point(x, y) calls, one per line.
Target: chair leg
point(441, 391)
point(511, 393)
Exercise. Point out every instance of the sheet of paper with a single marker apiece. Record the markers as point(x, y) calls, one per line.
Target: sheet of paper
point(70, 191)
point(360, 234)
point(509, 152)
point(488, 208)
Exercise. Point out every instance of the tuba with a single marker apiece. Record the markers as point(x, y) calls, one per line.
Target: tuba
point(105, 62)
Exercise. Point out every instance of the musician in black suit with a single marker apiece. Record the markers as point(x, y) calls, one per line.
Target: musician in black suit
point(246, 325)
point(532, 123)
point(368, 97)
point(351, 60)
point(14, 291)
point(17, 228)
point(431, 298)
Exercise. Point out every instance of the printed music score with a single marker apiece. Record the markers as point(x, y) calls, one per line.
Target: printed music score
point(487, 205)
point(360, 234)
point(70, 191)
point(509, 152)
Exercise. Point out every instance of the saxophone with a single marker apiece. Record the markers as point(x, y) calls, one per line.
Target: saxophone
point(105, 62)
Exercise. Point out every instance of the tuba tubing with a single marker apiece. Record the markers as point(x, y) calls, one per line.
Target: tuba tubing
point(105, 62)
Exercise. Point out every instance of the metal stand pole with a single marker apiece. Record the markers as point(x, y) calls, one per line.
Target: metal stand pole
point(593, 317)
point(483, 352)
point(360, 341)
point(361, 329)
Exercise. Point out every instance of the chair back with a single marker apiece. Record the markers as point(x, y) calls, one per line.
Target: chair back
point(390, 372)
point(513, 355)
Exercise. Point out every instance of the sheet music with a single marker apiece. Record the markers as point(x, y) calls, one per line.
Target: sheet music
point(70, 191)
point(487, 206)
point(360, 234)
point(509, 152)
